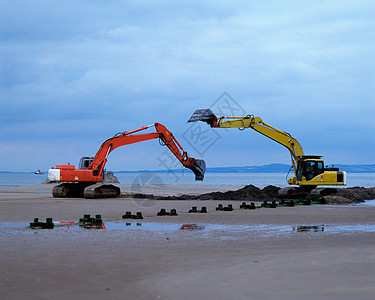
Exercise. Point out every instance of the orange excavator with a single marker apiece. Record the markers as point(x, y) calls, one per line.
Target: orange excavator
point(87, 180)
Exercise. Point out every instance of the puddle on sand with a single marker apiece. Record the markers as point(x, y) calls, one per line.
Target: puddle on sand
point(268, 230)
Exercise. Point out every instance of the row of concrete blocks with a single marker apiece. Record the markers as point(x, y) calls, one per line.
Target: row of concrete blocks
point(87, 219)
point(128, 215)
point(281, 203)
point(45, 225)
point(164, 212)
point(50, 225)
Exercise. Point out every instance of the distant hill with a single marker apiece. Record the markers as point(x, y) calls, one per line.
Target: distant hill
point(282, 168)
point(272, 168)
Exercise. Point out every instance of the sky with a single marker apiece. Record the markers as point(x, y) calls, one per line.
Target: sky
point(75, 73)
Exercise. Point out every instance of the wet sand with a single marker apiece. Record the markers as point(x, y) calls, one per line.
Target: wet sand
point(245, 256)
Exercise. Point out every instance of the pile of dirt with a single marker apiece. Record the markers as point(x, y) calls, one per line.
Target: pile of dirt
point(334, 199)
point(253, 193)
point(109, 177)
point(356, 194)
point(249, 192)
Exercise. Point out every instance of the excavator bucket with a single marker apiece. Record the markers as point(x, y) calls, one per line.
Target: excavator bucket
point(199, 167)
point(205, 115)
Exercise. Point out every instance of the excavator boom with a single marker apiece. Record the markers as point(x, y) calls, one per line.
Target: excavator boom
point(309, 170)
point(78, 182)
point(255, 123)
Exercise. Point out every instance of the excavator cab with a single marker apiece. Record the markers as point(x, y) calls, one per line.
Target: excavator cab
point(311, 172)
point(84, 162)
point(309, 167)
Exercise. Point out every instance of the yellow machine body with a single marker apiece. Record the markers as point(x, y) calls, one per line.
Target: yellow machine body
point(309, 170)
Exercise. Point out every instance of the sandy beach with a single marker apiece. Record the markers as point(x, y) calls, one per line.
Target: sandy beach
point(240, 254)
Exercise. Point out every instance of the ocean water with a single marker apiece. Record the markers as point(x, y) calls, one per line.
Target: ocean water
point(257, 179)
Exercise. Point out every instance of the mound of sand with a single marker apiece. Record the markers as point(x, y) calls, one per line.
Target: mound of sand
point(249, 192)
point(357, 194)
point(109, 177)
point(253, 193)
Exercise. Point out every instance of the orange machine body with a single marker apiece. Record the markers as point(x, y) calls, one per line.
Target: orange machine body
point(94, 172)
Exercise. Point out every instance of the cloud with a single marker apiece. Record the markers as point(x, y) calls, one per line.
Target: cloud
point(89, 69)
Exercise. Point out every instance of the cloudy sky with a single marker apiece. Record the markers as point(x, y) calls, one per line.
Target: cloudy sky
point(74, 73)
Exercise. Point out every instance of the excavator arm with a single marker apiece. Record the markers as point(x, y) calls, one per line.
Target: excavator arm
point(127, 138)
point(198, 166)
point(255, 123)
point(93, 173)
point(308, 170)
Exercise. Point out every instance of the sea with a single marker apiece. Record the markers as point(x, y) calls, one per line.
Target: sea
point(367, 180)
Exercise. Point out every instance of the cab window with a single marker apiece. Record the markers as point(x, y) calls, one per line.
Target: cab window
point(312, 169)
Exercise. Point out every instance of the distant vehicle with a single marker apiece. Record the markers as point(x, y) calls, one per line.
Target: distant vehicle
point(38, 172)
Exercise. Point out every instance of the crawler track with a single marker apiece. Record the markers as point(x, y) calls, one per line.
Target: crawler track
point(85, 190)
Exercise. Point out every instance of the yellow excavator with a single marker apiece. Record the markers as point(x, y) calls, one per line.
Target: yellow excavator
point(309, 170)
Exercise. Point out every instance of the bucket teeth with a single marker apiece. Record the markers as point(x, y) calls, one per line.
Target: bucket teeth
point(205, 115)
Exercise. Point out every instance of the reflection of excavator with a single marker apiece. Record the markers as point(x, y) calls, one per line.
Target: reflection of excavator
point(309, 170)
point(87, 180)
